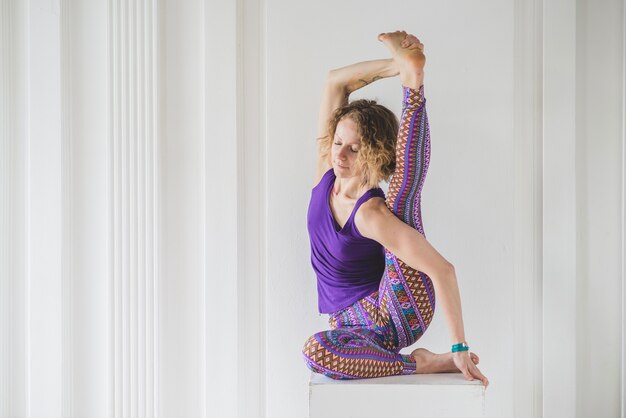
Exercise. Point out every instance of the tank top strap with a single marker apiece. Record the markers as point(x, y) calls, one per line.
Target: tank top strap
point(351, 229)
point(375, 192)
point(327, 178)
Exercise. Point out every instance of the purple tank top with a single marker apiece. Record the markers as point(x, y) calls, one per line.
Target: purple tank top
point(348, 265)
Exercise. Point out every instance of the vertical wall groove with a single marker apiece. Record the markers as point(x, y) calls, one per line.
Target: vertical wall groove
point(581, 339)
point(111, 184)
point(623, 221)
point(67, 341)
point(537, 351)
point(152, 356)
point(4, 177)
point(27, 244)
point(11, 213)
point(134, 197)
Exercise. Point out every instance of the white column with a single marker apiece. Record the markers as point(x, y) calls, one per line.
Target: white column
point(527, 239)
point(181, 219)
point(134, 205)
point(223, 177)
point(235, 208)
point(13, 220)
point(559, 209)
point(252, 308)
point(47, 235)
point(88, 305)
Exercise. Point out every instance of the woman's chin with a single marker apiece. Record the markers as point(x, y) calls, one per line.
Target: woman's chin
point(341, 172)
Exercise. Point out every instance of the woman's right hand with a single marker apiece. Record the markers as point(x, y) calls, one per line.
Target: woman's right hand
point(465, 364)
point(411, 42)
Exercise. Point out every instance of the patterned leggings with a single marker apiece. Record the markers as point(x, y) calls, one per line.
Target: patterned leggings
point(366, 337)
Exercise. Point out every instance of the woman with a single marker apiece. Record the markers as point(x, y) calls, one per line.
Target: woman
point(358, 235)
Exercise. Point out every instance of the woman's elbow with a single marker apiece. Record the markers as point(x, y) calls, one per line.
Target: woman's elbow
point(335, 79)
point(445, 271)
point(331, 77)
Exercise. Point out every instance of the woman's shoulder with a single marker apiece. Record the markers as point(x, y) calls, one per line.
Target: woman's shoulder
point(370, 212)
point(325, 176)
point(374, 203)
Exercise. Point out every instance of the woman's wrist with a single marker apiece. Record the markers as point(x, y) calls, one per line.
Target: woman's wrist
point(462, 346)
point(392, 69)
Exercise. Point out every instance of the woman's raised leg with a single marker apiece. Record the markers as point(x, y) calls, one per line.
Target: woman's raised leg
point(407, 296)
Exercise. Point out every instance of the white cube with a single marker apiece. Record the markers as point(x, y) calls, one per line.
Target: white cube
point(439, 395)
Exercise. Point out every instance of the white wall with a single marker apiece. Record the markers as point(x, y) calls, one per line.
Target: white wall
point(156, 165)
point(468, 193)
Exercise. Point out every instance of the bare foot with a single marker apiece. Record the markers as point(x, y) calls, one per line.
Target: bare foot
point(408, 55)
point(429, 362)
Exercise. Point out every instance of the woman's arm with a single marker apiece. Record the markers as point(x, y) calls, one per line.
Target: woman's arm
point(358, 75)
point(375, 221)
point(339, 84)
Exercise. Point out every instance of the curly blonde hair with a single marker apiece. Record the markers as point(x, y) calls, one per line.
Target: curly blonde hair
point(377, 129)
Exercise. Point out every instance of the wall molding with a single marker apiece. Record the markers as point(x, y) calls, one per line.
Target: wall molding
point(134, 193)
point(528, 39)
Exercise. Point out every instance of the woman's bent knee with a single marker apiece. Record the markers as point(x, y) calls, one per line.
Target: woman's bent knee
point(311, 351)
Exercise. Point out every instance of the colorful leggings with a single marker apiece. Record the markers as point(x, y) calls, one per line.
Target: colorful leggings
point(366, 337)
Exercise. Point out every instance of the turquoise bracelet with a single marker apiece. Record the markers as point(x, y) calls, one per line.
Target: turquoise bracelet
point(460, 347)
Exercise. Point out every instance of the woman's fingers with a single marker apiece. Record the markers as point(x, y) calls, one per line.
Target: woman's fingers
point(465, 364)
point(477, 374)
point(411, 42)
point(408, 40)
point(471, 372)
point(411, 38)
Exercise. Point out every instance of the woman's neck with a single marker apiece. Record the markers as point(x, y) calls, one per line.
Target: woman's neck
point(348, 188)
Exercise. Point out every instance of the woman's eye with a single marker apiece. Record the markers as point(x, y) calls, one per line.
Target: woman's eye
point(355, 150)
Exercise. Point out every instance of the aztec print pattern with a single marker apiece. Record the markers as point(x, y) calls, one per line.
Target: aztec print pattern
point(366, 337)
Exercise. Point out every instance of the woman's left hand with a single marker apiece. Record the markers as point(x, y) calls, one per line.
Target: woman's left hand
point(465, 364)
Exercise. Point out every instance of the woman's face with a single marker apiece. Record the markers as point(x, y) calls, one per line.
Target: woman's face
point(345, 148)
